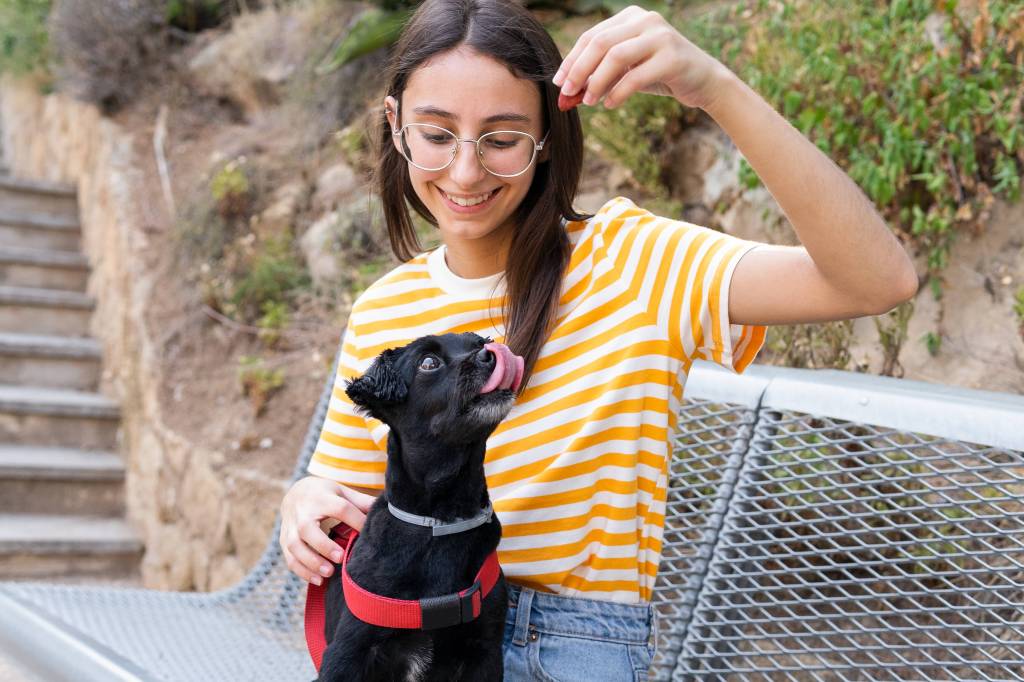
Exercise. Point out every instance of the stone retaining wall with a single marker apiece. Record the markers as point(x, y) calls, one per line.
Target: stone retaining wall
point(195, 519)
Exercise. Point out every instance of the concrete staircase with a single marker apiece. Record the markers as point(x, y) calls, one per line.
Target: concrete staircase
point(61, 481)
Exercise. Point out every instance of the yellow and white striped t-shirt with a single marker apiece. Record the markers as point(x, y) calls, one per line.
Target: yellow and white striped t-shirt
point(577, 471)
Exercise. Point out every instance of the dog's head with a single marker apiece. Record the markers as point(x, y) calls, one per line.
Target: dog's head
point(455, 388)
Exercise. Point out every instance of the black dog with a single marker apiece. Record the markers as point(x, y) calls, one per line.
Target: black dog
point(442, 396)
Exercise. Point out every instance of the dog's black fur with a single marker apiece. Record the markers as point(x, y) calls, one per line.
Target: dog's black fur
point(439, 424)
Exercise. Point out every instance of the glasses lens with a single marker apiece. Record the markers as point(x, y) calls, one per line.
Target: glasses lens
point(432, 148)
point(427, 146)
point(506, 153)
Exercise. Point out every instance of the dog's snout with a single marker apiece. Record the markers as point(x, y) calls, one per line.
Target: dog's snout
point(486, 358)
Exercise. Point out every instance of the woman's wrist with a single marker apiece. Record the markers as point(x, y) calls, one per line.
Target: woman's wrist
point(724, 84)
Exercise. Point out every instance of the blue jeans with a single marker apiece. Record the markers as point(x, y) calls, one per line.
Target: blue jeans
point(550, 638)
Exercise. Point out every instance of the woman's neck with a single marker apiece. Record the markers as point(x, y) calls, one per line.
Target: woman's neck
point(471, 263)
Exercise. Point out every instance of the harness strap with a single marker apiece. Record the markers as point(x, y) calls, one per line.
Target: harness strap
point(418, 614)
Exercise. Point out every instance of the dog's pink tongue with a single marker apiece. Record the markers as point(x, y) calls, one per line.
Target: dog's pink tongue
point(508, 369)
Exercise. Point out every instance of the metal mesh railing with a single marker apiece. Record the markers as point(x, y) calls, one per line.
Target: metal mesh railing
point(709, 453)
point(857, 552)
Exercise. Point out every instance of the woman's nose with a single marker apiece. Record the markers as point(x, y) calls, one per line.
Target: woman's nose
point(466, 170)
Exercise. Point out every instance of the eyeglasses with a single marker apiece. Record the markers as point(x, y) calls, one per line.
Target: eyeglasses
point(505, 153)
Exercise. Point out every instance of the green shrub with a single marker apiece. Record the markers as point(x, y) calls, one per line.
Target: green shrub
point(273, 322)
point(232, 190)
point(271, 275)
point(930, 133)
point(257, 382)
point(631, 134)
point(23, 42)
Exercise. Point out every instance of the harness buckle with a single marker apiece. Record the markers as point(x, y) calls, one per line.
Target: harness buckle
point(451, 609)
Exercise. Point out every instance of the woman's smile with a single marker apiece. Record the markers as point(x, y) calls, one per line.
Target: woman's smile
point(468, 204)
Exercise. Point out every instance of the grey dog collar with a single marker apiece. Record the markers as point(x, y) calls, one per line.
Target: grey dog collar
point(440, 527)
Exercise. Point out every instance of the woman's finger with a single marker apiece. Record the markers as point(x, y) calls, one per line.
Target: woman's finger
point(303, 561)
point(360, 500)
point(594, 52)
point(584, 41)
point(635, 79)
point(314, 535)
point(616, 63)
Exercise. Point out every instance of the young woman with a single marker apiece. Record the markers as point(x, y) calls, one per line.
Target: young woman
point(608, 310)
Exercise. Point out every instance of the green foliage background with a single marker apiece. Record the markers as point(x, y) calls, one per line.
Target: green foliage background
point(23, 41)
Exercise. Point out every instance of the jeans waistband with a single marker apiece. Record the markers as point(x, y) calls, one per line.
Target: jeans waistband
point(557, 614)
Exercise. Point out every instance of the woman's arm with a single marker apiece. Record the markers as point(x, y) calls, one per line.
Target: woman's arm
point(849, 263)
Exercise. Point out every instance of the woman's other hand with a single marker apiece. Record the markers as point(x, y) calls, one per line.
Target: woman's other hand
point(307, 549)
point(639, 51)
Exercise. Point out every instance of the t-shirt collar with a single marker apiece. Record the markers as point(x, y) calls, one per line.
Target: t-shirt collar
point(461, 287)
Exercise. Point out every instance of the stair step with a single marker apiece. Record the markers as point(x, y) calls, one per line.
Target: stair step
point(58, 417)
point(48, 480)
point(56, 401)
point(38, 545)
point(55, 258)
point(32, 230)
point(39, 220)
point(45, 311)
point(64, 464)
point(50, 361)
point(50, 345)
point(43, 268)
point(39, 198)
point(50, 298)
point(37, 186)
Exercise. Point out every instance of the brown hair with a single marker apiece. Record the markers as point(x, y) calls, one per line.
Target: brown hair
point(540, 247)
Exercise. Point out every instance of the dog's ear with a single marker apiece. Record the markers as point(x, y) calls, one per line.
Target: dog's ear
point(380, 385)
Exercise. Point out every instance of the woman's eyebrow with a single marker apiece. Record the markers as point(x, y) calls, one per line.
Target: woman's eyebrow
point(429, 110)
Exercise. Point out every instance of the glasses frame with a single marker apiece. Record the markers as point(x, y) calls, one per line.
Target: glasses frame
point(537, 146)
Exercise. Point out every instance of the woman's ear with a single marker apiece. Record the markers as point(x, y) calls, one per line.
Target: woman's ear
point(391, 111)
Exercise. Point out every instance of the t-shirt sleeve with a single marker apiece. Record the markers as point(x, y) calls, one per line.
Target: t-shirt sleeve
point(682, 274)
point(347, 451)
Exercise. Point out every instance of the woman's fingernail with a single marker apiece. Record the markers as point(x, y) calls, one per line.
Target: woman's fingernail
point(316, 580)
point(326, 570)
point(568, 88)
point(336, 556)
point(589, 99)
point(557, 80)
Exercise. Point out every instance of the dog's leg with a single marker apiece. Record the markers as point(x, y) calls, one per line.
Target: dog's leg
point(344, 659)
point(485, 666)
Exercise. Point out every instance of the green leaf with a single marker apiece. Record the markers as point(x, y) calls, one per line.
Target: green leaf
point(373, 30)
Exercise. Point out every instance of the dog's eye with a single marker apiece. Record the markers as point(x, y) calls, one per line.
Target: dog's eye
point(429, 363)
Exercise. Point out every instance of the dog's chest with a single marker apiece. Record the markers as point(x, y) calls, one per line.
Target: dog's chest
point(419, 663)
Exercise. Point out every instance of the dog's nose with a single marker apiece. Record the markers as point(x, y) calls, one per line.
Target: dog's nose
point(486, 358)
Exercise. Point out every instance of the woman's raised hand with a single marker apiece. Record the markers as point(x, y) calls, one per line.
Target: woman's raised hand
point(638, 51)
point(304, 544)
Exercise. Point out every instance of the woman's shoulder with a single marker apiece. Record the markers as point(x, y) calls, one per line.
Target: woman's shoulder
point(616, 209)
point(612, 216)
point(399, 279)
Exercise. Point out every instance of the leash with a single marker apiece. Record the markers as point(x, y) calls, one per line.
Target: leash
point(417, 614)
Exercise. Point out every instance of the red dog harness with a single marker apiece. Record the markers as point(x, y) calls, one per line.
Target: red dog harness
point(416, 614)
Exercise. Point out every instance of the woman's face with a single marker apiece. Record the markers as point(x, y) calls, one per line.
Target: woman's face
point(460, 90)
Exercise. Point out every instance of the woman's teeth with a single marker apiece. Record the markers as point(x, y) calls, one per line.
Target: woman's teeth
point(472, 201)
